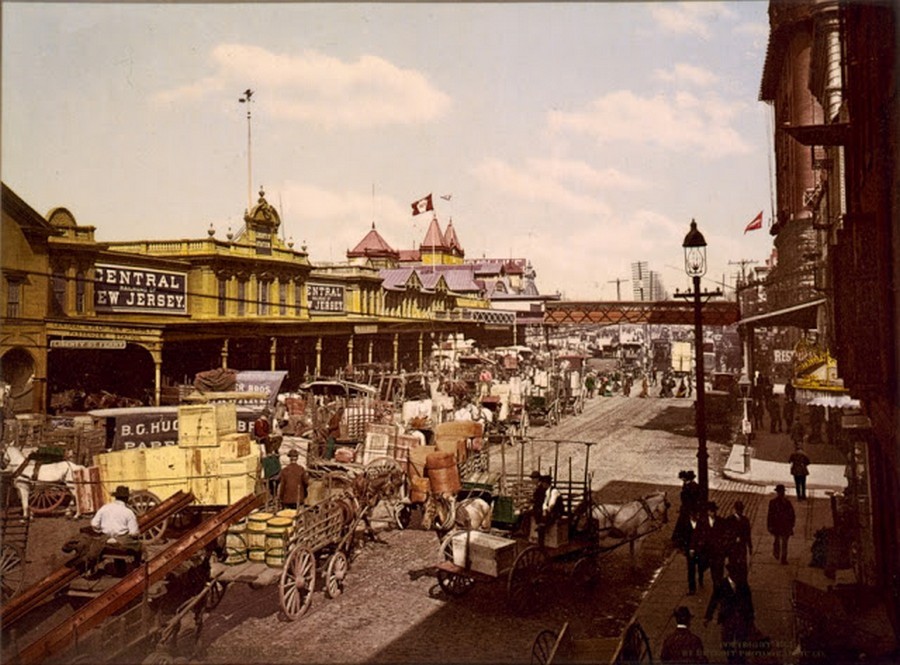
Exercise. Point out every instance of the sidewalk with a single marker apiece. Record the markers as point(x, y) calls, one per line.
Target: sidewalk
point(771, 583)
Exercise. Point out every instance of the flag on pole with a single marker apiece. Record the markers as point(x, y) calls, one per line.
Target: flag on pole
point(422, 205)
point(755, 224)
point(446, 197)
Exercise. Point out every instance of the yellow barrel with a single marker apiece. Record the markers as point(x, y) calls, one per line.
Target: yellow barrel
point(236, 544)
point(287, 512)
point(257, 523)
point(257, 554)
point(277, 536)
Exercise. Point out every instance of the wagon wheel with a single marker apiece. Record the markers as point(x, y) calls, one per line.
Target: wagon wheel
point(215, 594)
point(635, 647)
point(298, 581)
point(453, 584)
point(335, 573)
point(585, 573)
point(142, 502)
point(548, 644)
point(46, 498)
point(525, 578)
point(12, 570)
point(403, 515)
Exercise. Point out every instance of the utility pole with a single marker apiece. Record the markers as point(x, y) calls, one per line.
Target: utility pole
point(743, 263)
point(618, 283)
point(245, 99)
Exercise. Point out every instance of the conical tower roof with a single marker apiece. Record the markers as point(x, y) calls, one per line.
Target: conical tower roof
point(451, 240)
point(434, 238)
point(373, 245)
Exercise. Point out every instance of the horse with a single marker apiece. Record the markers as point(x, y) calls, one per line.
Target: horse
point(616, 524)
point(28, 472)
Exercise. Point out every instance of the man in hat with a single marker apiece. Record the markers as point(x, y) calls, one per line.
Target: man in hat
point(734, 600)
point(740, 542)
point(681, 645)
point(546, 507)
point(780, 522)
point(294, 483)
point(799, 462)
point(117, 521)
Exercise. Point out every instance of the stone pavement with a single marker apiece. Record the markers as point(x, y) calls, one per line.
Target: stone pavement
point(771, 583)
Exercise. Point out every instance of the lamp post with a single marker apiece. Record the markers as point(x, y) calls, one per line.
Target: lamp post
point(695, 266)
point(744, 385)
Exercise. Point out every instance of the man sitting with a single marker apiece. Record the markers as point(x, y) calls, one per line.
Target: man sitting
point(117, 521)
point(546, 506)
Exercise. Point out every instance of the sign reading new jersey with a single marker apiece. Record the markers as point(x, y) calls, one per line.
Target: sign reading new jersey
point(325, 297)
point(124, 289)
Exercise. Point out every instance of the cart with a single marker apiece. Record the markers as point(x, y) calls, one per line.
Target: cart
point(551, 647)
point(321, 539)
point(519, 557)
point(13, 541)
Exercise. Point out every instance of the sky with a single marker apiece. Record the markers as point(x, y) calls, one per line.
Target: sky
point(581, 136)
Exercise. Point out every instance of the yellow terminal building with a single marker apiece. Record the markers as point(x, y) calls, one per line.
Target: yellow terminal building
point(140, 318)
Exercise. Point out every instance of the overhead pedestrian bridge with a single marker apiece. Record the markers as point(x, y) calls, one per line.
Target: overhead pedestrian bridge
point(663, 312)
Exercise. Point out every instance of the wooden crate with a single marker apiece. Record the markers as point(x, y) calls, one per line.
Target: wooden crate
point(201, 425)
point(166, 469)
point(122, 467)
point(417, 458)
point(89, 494)
point(203, 472)
point(391, 431)
point(483, 552)
point(237, 479)
point(235, 445)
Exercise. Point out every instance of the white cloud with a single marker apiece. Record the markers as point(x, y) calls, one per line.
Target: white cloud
point(683, 122)
point(317, 88)
point(689, 18)
point(685, 73)
point(534, 184)
point(581, 172)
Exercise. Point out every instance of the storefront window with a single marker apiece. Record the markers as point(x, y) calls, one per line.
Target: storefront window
point(242, 297)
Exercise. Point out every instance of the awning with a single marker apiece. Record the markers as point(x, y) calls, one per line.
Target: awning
point(835, 398)
point(836, 133)
point(800, 316)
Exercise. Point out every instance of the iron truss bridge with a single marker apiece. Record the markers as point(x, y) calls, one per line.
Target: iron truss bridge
point(664, 312)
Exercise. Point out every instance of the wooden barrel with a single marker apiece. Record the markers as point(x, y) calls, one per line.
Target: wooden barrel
point(419, 488)
point(277, 536)
point(287, 512)
point(440, 467)
point(257, 554)
point(257, 523)
point(236, 544)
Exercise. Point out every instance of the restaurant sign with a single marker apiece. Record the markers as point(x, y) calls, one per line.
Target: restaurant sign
point(128, 289)
point(325, 297)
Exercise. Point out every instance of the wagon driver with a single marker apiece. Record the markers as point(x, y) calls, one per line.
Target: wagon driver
point(545, 504)
point(117, 521)
point(294, 483)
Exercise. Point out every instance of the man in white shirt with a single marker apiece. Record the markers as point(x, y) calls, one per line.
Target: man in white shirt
point(117, 521)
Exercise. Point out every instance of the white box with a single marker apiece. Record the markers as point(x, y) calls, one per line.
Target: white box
point(487, 554)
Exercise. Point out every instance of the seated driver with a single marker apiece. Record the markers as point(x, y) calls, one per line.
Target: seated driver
point(117, 521)
point(545, 505)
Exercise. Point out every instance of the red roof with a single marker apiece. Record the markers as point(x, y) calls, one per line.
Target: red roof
point(373, 245)
point(434, 239)
point(450, 239)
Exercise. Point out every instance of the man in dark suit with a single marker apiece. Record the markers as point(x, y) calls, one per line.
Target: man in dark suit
point(740, 543)
point(734, 600)
point(780, 523)
point(681, 645)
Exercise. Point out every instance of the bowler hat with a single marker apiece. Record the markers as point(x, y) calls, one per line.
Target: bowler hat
point(293, 454)
point(535, 475)
point(122, 493)
point(682, 614)
point(779, 489)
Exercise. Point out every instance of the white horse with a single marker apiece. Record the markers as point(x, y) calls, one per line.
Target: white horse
point(627, 522)
point(14, 460)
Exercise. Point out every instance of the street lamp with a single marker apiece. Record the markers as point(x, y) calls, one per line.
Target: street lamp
point(745, 386)
point(695, 266)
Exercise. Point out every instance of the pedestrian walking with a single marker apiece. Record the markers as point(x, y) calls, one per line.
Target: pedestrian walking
point(294, 483)
point(790, 405)
point(734, 601)
point(799, 462)
point(711, 543)
point(740, 542)
point(681, 645)
point(775, 424)
point(780, 523)
point(798, 433)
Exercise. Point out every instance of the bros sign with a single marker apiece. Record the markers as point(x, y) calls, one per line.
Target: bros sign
point(127, 289)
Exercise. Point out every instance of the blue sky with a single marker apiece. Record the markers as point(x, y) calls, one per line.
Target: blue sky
point(583, 136)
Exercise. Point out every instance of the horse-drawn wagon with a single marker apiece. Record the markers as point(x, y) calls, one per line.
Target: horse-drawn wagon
point(525, 554)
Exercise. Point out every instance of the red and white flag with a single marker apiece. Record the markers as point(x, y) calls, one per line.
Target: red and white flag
point(755, 224)
point(422, 205)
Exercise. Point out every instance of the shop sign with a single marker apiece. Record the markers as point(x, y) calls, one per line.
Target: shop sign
point(126, 289)
point(266, 384)
point(365, 329)
point(783, 355)
point(325, 297)
point(157, 428)
point(106, 344)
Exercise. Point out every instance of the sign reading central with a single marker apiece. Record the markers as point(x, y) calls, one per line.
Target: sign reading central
point(124, 289)
point(325, 297)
